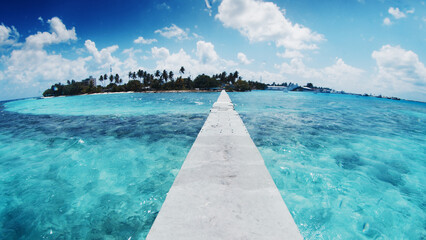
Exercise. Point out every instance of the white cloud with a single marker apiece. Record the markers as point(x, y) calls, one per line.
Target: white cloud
point(173, 32)
point(59, 33)
point(387, 21)
point(411, 11)
point(262, 76)
point(207, 60)
point(396, 13)
point(296, 67)
point(160, 53)
point(264, 21)
point(290, 54)
point(40, 19)
point(142, 40)
point(197, 36)
point(339, 76)
point(173, 61)
point(131, 63)
point(208, 5)
point(344, 77)
point(243, 58)
point(28, 65)
point(205, 52)
point(104, 56)
point(8, 35)
point(399, 70)
point(31, 69)
point(28, 72)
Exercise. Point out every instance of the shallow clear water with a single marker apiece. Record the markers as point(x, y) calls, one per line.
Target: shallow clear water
point(100, 166)
point(92, 167)
point(347, 167)
point(120, 104)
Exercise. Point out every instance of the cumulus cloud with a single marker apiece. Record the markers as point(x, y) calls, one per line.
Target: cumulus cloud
point(206, 52)
point(31, 67)
point(160, 53)
point(290, 54)
point(396, 13)
point(142, 40)
point(165, 60)
point(207, 61)
point(265, 21)
point(8, 35)
point(387, 21)
point(296, 67)
point(173, 32)
point(344, 76)
point(104, 56)
point(27, 65)
point(59, 33)
point(339, 76)
point(131, 62)
point(243, 58)
point(262, 76)
point(399, 70)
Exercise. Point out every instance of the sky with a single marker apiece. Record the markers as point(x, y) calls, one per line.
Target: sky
point(358, 46)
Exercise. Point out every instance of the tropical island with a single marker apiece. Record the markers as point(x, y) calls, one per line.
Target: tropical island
point(143, 81)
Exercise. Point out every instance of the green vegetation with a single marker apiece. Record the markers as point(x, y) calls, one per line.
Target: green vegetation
point(159, 81)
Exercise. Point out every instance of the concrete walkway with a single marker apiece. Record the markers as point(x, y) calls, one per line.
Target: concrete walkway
point(223, 190)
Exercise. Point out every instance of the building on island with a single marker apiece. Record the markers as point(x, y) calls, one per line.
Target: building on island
point(89, 81)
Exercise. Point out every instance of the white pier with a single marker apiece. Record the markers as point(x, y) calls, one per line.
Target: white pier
point(223, 190)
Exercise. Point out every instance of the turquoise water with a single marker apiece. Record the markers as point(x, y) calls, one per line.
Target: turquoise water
point(99, 166)
point(92, 167)
point(347, 167)
point(118, 104)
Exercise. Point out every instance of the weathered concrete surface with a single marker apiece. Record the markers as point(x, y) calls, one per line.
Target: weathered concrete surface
point(223, 190)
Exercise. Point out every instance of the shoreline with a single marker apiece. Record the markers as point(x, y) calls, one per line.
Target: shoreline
point(181, 91)
point(158, 91)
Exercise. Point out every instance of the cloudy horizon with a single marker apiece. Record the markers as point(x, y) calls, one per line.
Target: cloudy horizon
point(359, 46)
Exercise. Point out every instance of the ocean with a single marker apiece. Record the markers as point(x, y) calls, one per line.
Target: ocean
point(100, 166)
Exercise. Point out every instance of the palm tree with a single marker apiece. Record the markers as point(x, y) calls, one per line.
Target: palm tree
point(140, 74)
point(182, 70)
point(111, 78)
point(157, 73)
point(101, 78)
point(117, 78)
point(130, 75)
point(165, 75)
point(105, 77)
point(171, 76)
point(134, 75)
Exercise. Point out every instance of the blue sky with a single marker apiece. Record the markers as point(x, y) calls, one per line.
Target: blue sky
point(361, 46)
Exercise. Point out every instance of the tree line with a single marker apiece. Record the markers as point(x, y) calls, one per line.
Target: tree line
point(141, 80)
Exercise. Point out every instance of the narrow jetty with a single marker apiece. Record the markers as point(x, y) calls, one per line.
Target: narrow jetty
point(223, 190)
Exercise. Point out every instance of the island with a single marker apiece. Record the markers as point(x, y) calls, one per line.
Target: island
point(142, 81)
point(160, 81)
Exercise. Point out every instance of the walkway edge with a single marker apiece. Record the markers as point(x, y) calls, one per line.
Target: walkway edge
point(223, 190)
